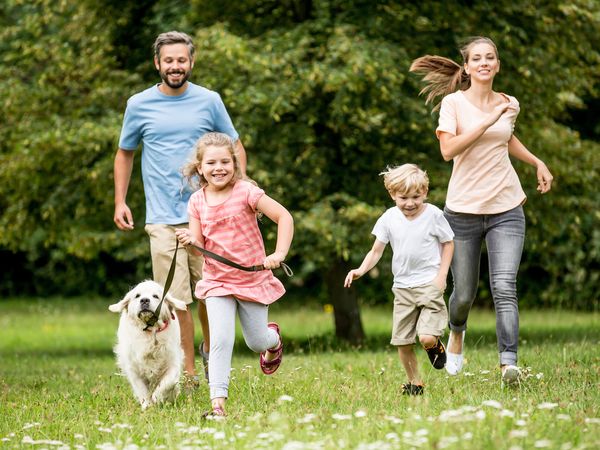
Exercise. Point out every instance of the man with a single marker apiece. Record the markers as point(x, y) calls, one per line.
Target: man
point(168, 118)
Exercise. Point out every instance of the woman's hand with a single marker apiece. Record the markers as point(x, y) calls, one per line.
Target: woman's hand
point(544, 178)
point(497, 113)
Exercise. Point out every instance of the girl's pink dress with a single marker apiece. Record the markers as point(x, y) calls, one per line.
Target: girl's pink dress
point(230, 229)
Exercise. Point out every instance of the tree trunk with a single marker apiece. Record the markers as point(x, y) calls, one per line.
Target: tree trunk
point(348, 325)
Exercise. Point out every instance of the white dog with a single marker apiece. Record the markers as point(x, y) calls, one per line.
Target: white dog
point(150, 356)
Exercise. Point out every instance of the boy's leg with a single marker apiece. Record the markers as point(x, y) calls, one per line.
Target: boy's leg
point(409, 361)
point(162, 249)
point(432, 322)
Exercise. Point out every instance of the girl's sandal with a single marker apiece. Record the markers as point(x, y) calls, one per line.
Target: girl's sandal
point(269, 367)
point(217, 411)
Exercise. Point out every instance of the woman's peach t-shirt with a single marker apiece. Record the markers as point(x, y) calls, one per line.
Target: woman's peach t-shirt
point(483, 179)
point(230, 229)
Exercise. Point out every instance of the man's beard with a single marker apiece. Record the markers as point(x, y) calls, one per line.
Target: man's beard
point(175, 85)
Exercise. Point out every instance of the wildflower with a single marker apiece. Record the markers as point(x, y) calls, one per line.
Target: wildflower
point(547, 405)
point(492, 403)
point(285, 398)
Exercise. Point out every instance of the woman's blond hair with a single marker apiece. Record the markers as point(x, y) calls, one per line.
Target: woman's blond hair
point(444, 76)
point(405, 178)
point(212, 139)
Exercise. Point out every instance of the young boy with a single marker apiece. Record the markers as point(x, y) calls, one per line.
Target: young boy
point(421, 241)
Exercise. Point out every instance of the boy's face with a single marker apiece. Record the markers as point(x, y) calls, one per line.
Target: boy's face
point(410, 203)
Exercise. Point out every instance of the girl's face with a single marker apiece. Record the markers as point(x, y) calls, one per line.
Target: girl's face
point(217, 167)
point(483, 63)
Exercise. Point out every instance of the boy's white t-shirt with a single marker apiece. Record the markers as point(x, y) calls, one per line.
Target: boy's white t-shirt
point(416, 244)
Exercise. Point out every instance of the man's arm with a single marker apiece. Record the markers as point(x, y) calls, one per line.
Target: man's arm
point(241, 152)
point(122, 174)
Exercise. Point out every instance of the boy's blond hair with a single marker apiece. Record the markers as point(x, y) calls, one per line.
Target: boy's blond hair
point(405, 178)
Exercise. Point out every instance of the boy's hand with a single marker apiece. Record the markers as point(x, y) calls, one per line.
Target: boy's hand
point(354, 274)
point(439, 282)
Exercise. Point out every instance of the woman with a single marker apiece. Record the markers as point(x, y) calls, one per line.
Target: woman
point(485, 198)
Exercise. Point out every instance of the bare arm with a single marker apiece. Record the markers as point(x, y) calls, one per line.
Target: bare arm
point(451, 145)
point(191, 235)
point(519, 151)
point(242, 158)
point(370, 261)
point(446, 259)
point(285, 229)
point(122, 174)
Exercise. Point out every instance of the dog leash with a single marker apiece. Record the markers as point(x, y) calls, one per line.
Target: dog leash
point(230, 263)
point(152, 320)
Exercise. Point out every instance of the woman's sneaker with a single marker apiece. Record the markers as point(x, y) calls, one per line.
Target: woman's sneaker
point(454, 361)
point(511, 375)
point(437, 354)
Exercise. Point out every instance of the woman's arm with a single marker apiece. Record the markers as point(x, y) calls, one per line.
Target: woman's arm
point(451, 145)
point(285, 229)
point(519, 151)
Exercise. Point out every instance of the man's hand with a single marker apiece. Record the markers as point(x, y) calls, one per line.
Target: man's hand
point(123, 217)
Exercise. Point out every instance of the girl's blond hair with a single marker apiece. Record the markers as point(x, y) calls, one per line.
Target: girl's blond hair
point(444, 76)
point(405, 178)
point(212, 139)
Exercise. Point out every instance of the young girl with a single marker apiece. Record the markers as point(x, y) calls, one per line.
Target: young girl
point(222, 219)
point(485, 198)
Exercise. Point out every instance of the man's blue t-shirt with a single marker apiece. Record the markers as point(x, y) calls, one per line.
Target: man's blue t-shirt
point(169, 126)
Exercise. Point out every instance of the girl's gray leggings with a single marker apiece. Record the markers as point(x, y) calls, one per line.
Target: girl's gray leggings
point(221, 320)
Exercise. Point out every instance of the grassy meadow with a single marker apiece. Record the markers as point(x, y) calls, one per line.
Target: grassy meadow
point(59, 388)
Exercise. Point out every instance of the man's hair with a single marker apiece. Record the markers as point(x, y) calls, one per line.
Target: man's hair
point(173, 37)
point(405, 178)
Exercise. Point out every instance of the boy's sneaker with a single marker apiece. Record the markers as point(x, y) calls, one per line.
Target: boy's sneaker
point(412, 389)
point(437, 354)
point(511, 375)
point(204, 356)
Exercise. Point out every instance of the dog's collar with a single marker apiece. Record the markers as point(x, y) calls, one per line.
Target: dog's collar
point(164, 327)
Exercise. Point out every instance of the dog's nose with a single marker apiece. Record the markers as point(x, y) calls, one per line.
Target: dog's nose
point(145, 302)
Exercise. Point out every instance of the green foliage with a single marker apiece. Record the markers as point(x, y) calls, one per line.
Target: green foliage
point(321, 94)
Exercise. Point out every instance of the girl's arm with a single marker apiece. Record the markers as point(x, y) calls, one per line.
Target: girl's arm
point(451, 145)
point(191, 235)
point(371, 259)
point(519, 151)
point(285, 229)
point(446, 258)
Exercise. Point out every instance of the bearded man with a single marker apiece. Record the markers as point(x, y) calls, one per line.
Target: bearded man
point(167, 119)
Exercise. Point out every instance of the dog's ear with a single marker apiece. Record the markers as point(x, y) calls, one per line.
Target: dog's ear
point(175, 303)
point(118, 307)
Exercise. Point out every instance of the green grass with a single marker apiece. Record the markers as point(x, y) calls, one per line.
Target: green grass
point(59, 388)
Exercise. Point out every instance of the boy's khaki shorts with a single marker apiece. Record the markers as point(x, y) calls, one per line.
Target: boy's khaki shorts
point(418, 311)
point(188, 269)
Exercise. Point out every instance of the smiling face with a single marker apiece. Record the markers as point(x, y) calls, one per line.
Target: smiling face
point(411, 203)
point(217, 167)
point(482, 62)
point(174, 65)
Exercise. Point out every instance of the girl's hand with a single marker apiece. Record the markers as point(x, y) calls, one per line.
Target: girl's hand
point(184, 236)
point(354, 274)
point(273, 261)
point(544, 178)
